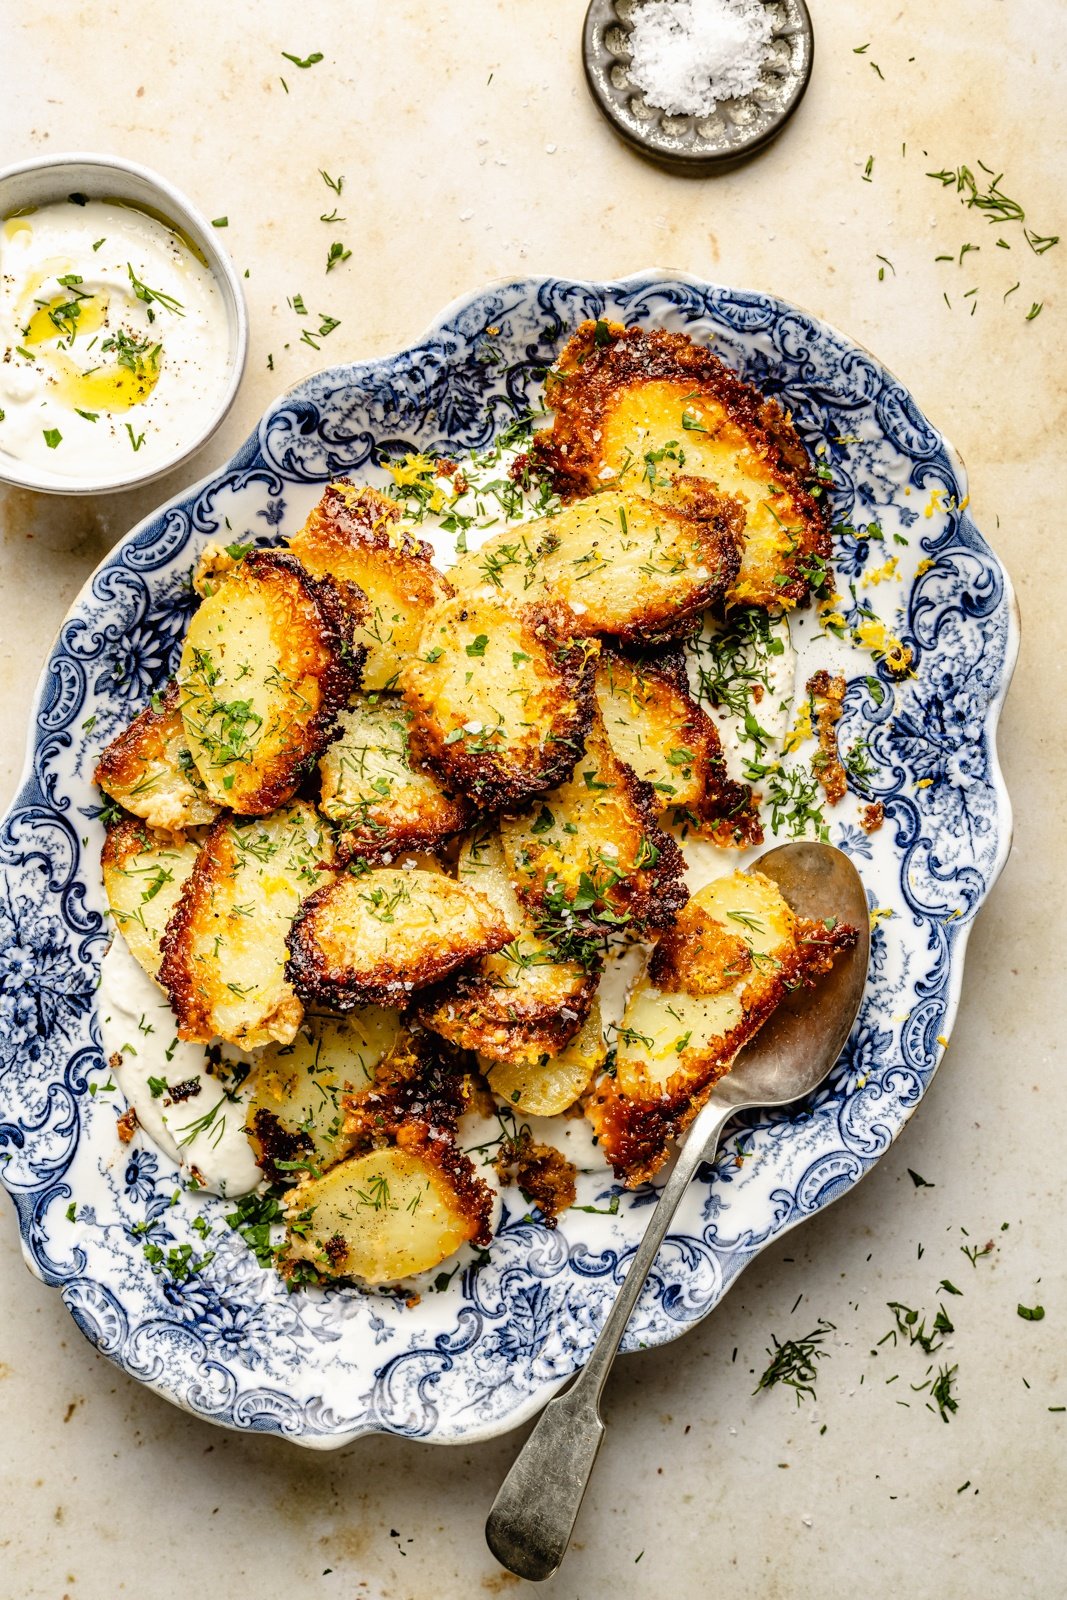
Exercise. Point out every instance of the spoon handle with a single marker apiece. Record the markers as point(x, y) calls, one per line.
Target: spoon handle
point(534, 1513)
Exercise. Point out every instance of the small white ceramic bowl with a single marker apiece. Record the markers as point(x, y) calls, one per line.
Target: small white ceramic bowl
point(40, 182)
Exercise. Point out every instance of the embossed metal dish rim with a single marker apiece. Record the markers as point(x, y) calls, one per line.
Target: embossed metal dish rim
point(676, 141)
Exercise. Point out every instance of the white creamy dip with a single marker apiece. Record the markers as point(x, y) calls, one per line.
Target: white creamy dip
point(114, 345)
point(205, 1132)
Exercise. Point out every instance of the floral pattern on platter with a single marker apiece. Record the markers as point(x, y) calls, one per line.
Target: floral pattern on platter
point(488, 1348)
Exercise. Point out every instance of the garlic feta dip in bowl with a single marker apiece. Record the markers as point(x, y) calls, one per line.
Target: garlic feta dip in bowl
point(123, 330)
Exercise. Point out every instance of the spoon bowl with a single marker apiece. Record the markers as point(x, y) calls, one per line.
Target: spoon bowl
point(793, 1052)
point(533, 1515)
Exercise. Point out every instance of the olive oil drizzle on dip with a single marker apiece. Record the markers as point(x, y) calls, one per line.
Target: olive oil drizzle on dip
point(113, 339)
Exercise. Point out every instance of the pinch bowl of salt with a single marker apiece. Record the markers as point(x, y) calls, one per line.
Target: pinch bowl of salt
point(698, 85)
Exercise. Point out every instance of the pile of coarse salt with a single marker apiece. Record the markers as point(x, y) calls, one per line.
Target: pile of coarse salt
point(690, 54)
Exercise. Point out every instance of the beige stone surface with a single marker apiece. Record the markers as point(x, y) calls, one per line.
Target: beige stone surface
point(470, 148)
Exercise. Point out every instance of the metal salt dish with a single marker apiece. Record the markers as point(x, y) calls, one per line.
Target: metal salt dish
point(697, 145)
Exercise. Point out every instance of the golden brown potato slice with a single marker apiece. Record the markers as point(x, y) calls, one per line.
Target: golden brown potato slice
point(655, 726)
point(501, 697)
point(711, 983)
point(372, 938)
point(637, 568)
point(522, 1003)
point(148, 769)
point(591, 856)
point(408, 1196)
point(545, 1085)
point(355, 535)
point(144, 872)
point(639, 407)
point(224, 948)
point(296, 1121)
point(385, 800)
point(268, 662)
point(379, 1217)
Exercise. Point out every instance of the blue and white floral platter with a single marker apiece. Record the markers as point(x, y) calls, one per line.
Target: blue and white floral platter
point(322, 1367)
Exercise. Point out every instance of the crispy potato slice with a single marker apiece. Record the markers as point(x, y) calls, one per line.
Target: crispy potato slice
point(655, 726)
point(148, 769)
point(408, 1196)
point(295, 1113)
point(522, 1003)
point(355, 535)
point(543, 1086)
point(386, 801)
point(379, 1217)
point(224, 948)
point(711, 983)
point(371, 939)
point(637, 568)
point(501, 697)
point(592, 855)
point(144, 873)
point(639, 406)
point(267, 664)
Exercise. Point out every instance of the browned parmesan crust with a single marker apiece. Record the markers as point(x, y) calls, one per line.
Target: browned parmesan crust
point(416, 1103)
point(374, 938)
point(656, 727)
point(828, 698)
point(543, 1174)
point(268, 662)
point(709, 988)
point(639, 406)
point(506, 1012)
point(386, 572)
point(592, 855)
point(501, 697)
point(149, 771)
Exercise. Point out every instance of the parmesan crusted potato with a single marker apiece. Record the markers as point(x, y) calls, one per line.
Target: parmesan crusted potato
point(224, 948)
point(355, 535)
point(639, 407)
point(295, 1115)
point(373, 938)
point(592, 855)
point(267, 664)
point(148, 769)
point(408, 1196)
point(711, 983)
point(385, 800)
point(545, 1085)
point(379, 1217)
point(638, 568)
point(655, 726)
point(501, 697)
point(144, 872)
point(522, 1003)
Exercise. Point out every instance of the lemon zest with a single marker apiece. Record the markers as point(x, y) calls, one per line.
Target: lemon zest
point(889, 569)
point(800, 731)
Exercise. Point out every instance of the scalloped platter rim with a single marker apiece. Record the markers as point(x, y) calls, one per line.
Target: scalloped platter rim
point(485, 1353)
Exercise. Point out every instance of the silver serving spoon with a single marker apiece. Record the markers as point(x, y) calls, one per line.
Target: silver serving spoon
point(533, 1516)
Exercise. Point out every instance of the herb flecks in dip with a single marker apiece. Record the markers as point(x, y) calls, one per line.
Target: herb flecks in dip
point(113, 339)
